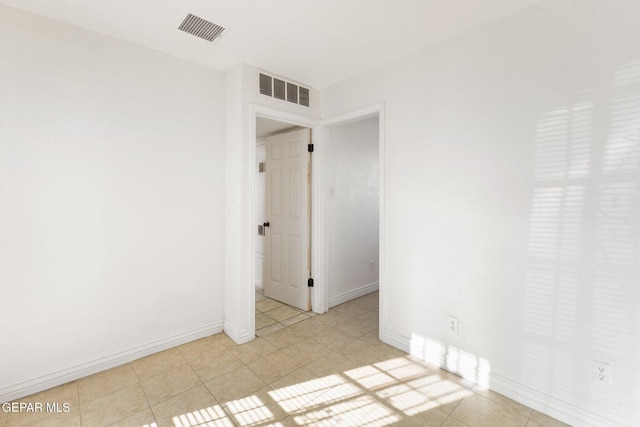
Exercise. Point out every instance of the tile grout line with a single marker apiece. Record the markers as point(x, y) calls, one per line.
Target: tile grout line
point(145, 393)
point(79, 403)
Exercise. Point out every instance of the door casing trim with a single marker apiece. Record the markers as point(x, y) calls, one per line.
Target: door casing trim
point(256, 111)
point(319, 199)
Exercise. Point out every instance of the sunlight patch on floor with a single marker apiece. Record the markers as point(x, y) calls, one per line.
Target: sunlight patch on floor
point(250, 411)
point(363, 410)
point(373, 395)
point(213, 416)
point(292, 397)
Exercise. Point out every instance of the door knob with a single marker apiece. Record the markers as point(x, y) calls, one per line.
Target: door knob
point(266, 224)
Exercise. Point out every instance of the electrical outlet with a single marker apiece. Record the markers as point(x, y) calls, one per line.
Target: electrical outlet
point(453, 325)
point(600, 372)
point(372, 264)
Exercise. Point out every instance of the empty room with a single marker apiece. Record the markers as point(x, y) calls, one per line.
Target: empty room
point(320, 213)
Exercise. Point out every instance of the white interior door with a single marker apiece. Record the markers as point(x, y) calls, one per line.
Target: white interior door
point(287, 252)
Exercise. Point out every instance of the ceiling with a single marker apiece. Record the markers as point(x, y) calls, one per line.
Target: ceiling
point(313, 42)
point(267, 127)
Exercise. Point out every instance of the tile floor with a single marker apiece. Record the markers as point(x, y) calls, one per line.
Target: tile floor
point(302, 369)
point(272, 315)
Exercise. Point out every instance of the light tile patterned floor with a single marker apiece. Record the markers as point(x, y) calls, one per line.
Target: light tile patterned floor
point(272, 315)
point(302, 369)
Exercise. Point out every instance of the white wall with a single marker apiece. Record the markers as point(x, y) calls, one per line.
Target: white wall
point(111, 193)
point(512, 201)
point(353, 175)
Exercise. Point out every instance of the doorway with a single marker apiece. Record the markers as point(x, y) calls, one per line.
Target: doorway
point(361, 270)
point(282, 197)
point(320, 200)
point(353, 172)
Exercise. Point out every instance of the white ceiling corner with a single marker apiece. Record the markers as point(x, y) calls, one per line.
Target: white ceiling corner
point(314, 42)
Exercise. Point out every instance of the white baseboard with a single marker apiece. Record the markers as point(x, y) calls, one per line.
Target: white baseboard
point(563, 411)
point(355, 293)
point(63, 376)
point(551, 406)
point(398, 341)
point(239, 336)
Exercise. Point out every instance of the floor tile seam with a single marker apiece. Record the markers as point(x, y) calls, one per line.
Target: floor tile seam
point(229, 415)
point(155, 416)
point(450, 414)
point(304, 408)
point(286, 346)
point(208, 355)
point(263, 353)
point(530, 415)
point(288, 318)
point(503, 405)
point(345, 399)
point(312, 335)
point(261, 424)
point(138, 374)
point(121, 387)
point(215, 399)
point(278, 323)
point(453, 418)
point(141, 380)
point(115, 422)
point(126, 416)
point(258, 375)
point(203, 381)
point(403, 414)
point(273, 318)
point(146, 398)
point(176, 395)
point(79, 403)
point(266, 313)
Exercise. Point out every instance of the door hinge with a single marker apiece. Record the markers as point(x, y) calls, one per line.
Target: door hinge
point(310, 148)
point(310, 282)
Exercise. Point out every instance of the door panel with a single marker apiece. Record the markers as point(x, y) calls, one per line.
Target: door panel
point(275, 260)
point(287, 212)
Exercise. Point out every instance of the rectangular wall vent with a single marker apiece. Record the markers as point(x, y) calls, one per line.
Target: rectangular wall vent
point(304, 96)
point(292, 93)
point(279, 88)
point(266, 85)
point(201, 28)
point(286, 91)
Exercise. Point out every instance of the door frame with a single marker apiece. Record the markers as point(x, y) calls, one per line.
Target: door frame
point(343, 119)
point(318, 292)
point(319, 201)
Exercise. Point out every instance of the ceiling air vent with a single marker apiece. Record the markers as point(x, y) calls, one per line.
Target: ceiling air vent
point(201, 28)
point(286, 91)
